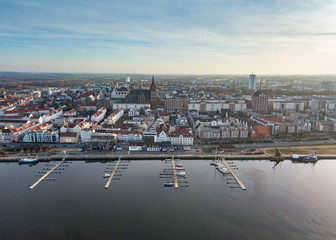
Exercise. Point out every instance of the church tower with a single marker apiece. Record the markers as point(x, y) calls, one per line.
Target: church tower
point(153, 90)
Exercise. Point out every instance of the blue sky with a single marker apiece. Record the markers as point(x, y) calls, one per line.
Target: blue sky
point(154, 36)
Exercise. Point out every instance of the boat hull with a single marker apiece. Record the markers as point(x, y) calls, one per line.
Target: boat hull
point(27, 161)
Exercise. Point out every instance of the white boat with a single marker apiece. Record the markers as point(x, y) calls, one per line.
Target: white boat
point(180, 173)
point(223, 170)
point(178, 165)
point(28, 159)
point(179, 168)
point(213, 163)
point(106, 175)
point(295, 157)
point(310, 158)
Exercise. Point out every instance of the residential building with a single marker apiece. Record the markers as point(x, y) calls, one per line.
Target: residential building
point(69, 137)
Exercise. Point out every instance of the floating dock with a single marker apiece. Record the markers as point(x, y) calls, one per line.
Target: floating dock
point(174, 173)
point(240, 183)
point(225, 164)
point(112, 174)
point(46, 175)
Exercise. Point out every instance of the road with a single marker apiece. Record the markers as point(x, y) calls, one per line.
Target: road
point(281, 143)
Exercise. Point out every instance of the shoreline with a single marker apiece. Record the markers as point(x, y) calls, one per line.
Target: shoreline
point(112, 157)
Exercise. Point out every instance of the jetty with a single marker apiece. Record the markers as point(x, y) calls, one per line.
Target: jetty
point(174, 174)
point(240, 183)
point(46, 175)
point(112, 174)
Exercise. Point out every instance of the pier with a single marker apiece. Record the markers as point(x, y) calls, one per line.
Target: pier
point(174, 173)
point(240, 183)
point(46, 175)
point(112, 174)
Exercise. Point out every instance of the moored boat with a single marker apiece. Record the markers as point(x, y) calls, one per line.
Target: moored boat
point(168, 184)
point(223, 170)
point(178, 165)
point(295, 157)
point(180, 173)
point(310, 158)
point(28, 159)
point(214, 163)
point(106, 175)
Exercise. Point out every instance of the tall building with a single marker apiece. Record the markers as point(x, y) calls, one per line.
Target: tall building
point(252, 82)
point(260, 102)
point(153, 90)
point(128, 79)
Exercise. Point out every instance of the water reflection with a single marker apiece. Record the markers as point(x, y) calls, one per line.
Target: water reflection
point(282, 201)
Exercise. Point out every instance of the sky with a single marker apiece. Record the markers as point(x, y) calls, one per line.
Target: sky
point(171, 36)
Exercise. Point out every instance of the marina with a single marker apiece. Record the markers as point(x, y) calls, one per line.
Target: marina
point(176, 175)
point(46, 175)
point(141, 197)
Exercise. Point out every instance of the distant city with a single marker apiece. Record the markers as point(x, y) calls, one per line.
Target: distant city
point(163, 113)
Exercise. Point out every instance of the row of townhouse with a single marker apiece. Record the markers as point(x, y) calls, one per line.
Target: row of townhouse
point(217, 105)
point(295, 123)
point(21, 130)
point(99, 115)
point(282, 104)
point(52, 115)
point(292, 127)
point(177, 137)
point(181, 137)
point(121, 135)
point(301, 104)
point(222, 133)
point(326, 126)
point(41, 133)
point(75, 127)
point(115, 116)
point(70, 113)
point(145, 146)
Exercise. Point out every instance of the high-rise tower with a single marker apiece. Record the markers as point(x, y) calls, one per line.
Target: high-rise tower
point(252, 82)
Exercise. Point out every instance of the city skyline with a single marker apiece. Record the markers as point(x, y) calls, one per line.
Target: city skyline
point(200, 37)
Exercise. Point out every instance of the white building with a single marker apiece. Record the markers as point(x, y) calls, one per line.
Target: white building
point(46, 135)
point(181, 139)
point(217, 105)
point(161, 137)
point(99, 115)
point(288, 105)
point(119, 93)
point(77, 128)
point(115, 116)
point(52, 115)
point(86, 134)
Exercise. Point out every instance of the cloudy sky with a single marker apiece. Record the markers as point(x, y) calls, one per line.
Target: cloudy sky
point(171, 36)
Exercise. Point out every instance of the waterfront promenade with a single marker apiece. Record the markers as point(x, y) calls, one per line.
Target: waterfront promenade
point(106, 156)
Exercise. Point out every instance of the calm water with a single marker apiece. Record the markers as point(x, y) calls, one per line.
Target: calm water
point(292, 201)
